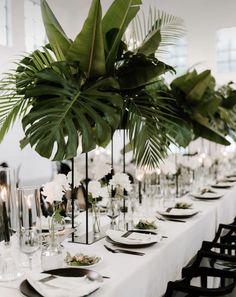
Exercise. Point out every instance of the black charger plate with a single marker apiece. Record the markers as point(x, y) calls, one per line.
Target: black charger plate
point(28, 291)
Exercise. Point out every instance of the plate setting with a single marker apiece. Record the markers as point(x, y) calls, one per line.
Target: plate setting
point(207, 195)
point(88, 281)
point(132, 238)
point(222, 185)
point(178, 212)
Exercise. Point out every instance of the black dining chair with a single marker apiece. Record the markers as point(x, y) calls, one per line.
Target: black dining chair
point(226, 233)
point(199, 281)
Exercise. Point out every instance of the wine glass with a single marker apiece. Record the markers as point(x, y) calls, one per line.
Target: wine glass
point(113, 210)
point(29, 221)
point(69, 208)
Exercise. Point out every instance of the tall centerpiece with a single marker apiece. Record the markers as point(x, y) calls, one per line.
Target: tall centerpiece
point(72, 93)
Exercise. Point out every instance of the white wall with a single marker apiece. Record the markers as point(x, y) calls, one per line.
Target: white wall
point(202, 18)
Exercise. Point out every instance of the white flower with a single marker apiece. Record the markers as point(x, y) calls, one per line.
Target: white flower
point(120, 180)
point(193, 162)
point(94, 188)
point(63, 181)
point(78, 177)
point(207, 162)
point(104, 193)
point(100, 169)
point(53, 191)
point(168, 167)
point(139, 173)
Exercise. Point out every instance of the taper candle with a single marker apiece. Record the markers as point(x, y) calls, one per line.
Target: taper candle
point(29, 211)
point(3, 194)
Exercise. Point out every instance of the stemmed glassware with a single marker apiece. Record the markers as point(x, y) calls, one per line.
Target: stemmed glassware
point(29, 211)
point(113, 210)
point(69, 208)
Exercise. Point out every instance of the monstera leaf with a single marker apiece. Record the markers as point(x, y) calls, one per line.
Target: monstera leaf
point(61, 109)
point(61, 113)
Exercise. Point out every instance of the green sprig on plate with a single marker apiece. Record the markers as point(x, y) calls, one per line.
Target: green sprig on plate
point(81, 259)
point(145, 224)
point(183, 205)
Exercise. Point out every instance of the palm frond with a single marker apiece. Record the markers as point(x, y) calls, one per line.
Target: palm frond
point(144, 26)
point(12, 104)
point(148, 125)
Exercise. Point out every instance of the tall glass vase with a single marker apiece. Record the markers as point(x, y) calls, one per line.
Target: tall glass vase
point(8, 225)
point(113, 211)
point(29, 210)
point(51, 254)
point(96, 220)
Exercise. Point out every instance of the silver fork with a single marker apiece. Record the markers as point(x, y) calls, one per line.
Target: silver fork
point(123, 251)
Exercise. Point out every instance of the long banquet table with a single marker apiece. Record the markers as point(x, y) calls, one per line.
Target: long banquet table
point(147, 276)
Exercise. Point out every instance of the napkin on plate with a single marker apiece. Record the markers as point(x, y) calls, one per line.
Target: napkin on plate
point(133, 238)
point(62, 286)
point(180, 211)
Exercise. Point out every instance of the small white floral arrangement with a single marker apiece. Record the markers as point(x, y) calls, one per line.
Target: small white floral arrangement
point(168, 167)
point(95, 190)
point(54, 190)
point(120, 182)
point(98, 167)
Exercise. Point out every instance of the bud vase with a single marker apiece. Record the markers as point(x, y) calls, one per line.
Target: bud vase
point(51, 255)
point(96, 220)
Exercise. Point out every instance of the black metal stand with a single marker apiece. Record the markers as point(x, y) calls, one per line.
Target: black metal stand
point(72, 197)
point(88, 237)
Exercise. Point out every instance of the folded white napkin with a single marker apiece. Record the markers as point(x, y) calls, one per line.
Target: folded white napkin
point(181, 211)
point(133, 238)
point(62, 286)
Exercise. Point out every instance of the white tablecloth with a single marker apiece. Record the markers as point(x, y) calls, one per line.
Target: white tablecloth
point(148, 276)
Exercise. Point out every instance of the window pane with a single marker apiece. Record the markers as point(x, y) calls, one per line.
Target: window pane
point(35, 35)
point(176, 56)
point(226, 49)
point(5, 22)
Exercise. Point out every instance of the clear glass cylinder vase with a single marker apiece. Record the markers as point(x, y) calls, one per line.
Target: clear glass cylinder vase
point(96, 220)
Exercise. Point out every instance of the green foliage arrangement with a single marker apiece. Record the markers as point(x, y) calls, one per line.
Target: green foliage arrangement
point(78, 92)
point(208, 112)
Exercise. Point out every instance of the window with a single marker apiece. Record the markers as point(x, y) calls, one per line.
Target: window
point(5, 38)
point(176, 55)
point(226, 49)
point(35, 35)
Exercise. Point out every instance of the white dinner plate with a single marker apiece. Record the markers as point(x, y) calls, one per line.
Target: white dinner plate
point(207, 195)
point(222, 185)
point(231, 179)
point(178, 213)
point(134, 239)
